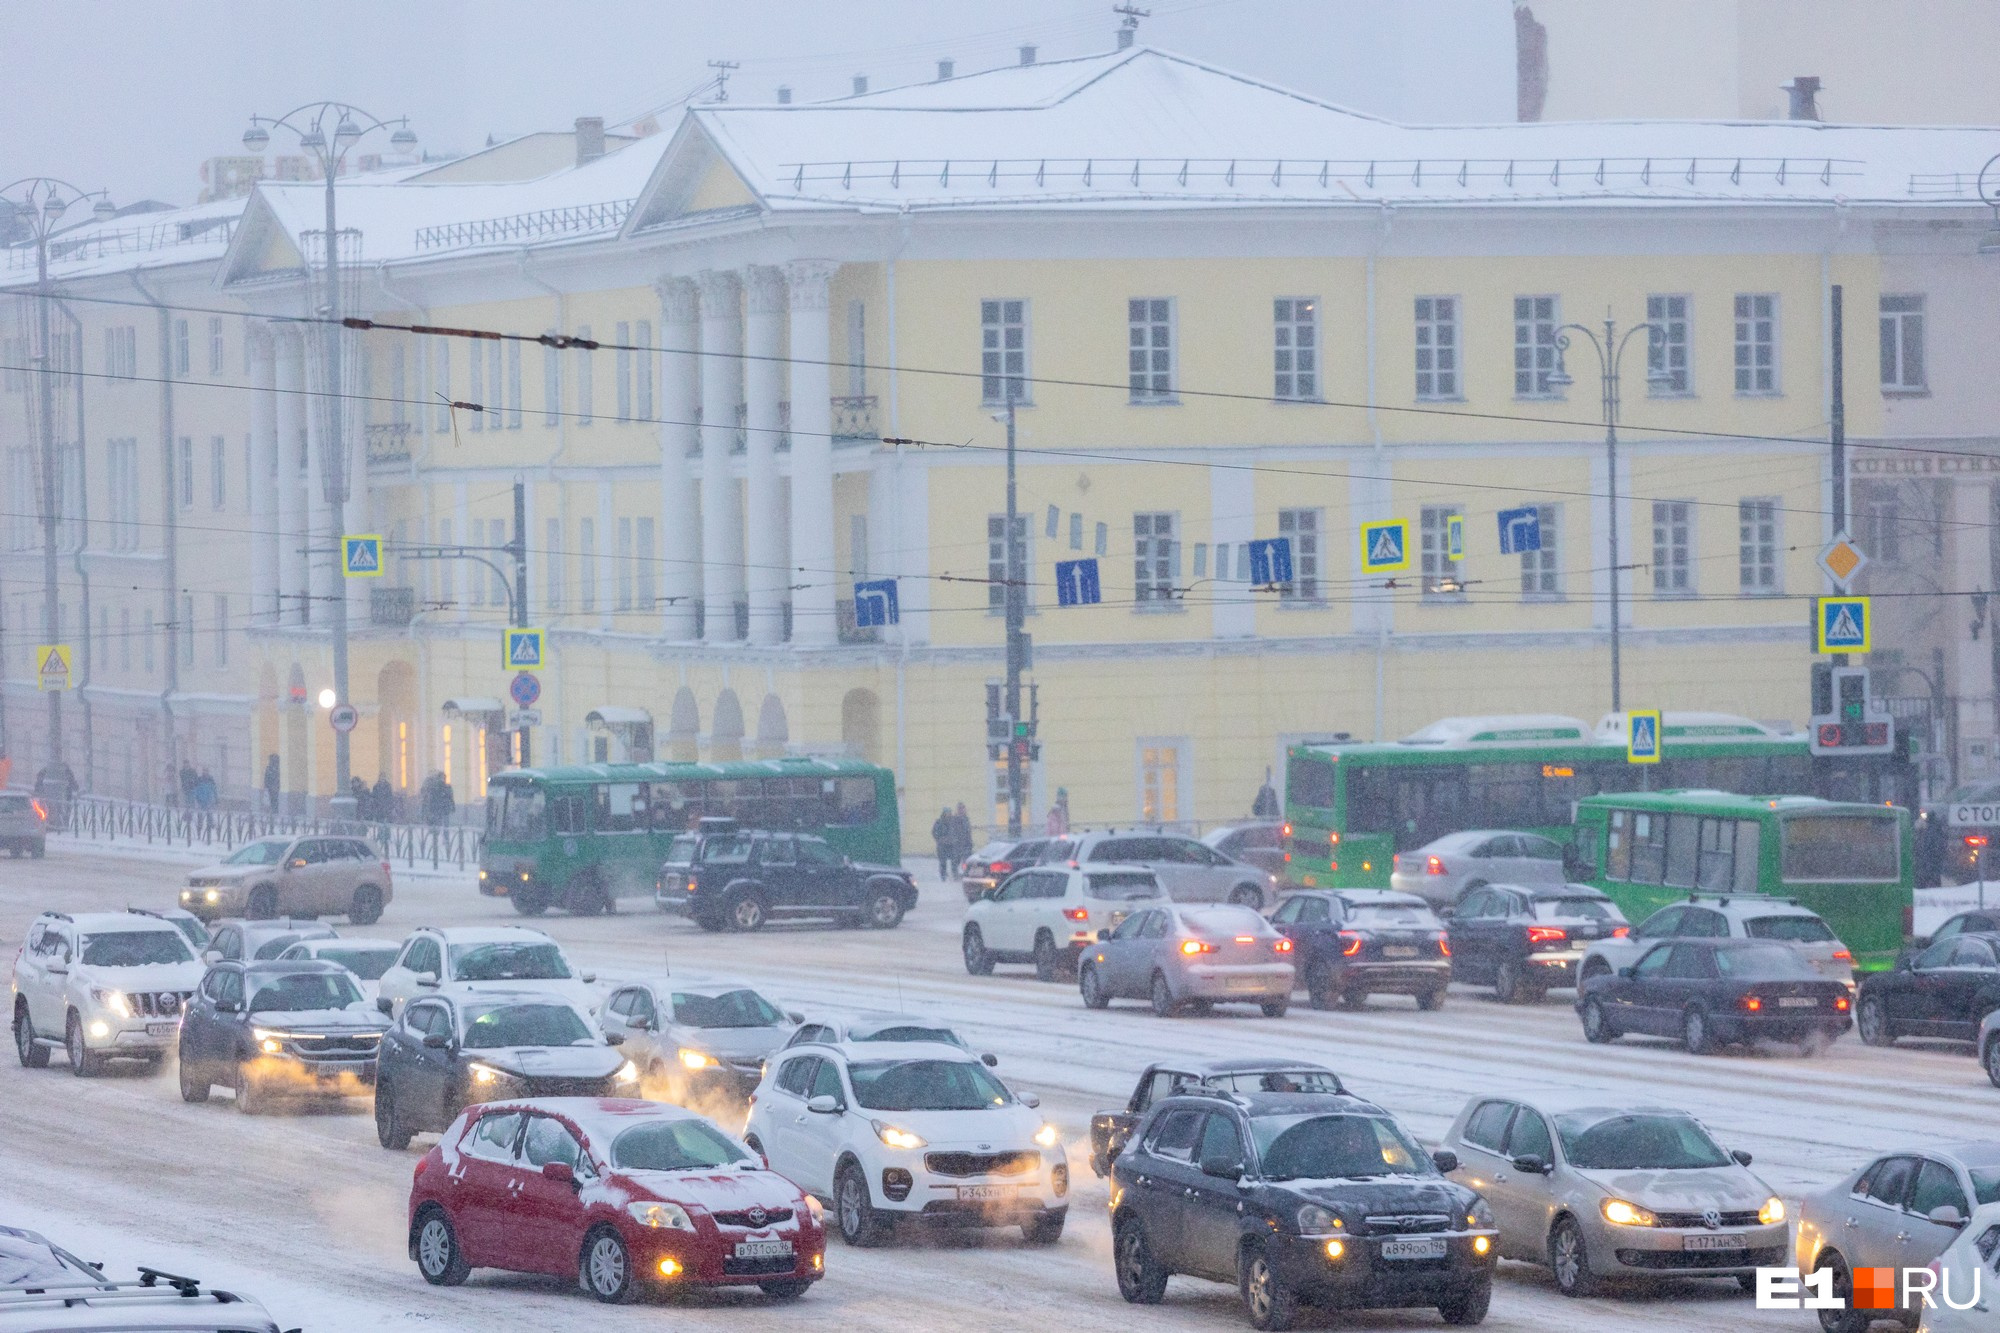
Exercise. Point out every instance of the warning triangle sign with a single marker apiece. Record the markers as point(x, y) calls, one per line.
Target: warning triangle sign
point(1843, 628)
point(1388, 547)
point(52, 667)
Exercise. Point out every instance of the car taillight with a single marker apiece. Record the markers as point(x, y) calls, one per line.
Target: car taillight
point(1000, 868)
point(1546, 934)
point(1077, 913)
point(41, 811)
point(1287, 830)
point(1282, 946)
point(1288, 856)
point(1192, 947)
point(1434, 865)
point(1333, 840)
point(1840, 1003)
point(1843, 956)
point(423, 1164)
point(692, 884)
point(385, 870)
point(1351, 943)
point(1751, 1003)
point(1975, 840)
point(1444, 944)
point(1246, 939)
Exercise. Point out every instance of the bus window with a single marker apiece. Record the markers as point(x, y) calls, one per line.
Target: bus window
point(496, 810)
point(1649, 847)
point(522, 819)
point(621, 807)
point(1309, 783)
point(1841, 848)
point(1683, 845)
point(1618, 846)
point(854, 801)
point(676, 806)
point(1748, 835)
point(1717, 867)
point(1506, 796)
point(569, 812)
point(1371, 795)
point(794, 802)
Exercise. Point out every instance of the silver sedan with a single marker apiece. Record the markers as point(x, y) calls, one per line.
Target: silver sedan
point(1441, 872)
point(1189, 957)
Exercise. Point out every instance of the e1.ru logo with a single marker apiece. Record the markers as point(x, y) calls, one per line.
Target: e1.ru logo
point(1870, 1288)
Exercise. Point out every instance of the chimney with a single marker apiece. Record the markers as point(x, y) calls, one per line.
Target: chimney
point(1027, 55)
point(860, 84)
point(784, 94)
point(1125, 35)
point(944, 70)
point(1804, 90)
point(589, 139)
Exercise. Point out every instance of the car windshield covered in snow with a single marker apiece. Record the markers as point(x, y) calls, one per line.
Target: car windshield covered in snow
point(673, 1145)
point(368, 964)
point(135, 948)
point(926, 1085)
point(263, 852)
point(304, 992)
point(1637, 1143)
point(526, 1025)
point(1335, 1147)
point(508, 960)
point(1125, 885)
point(730, 1009)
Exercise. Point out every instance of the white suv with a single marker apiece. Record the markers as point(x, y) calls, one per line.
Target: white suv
point(45, 1289)
point(1047, 914)
point(1751, 916)
point(909, 1131)
point(476, 957)
point(103, 985)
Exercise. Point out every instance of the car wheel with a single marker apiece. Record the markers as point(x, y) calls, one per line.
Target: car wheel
point(194, 1081)
point(972, 944)
point(1467, 1304)
point(1873, 1022)
point(390, 1131)
point(83, 1062)
point(1047, 966)
point(1319, 985)
point(1354, 999)
point(1044, 1230)
point(1992, 1059)
point(1141, 1279)
point(1268, 1299)
point(1841, 1320)
point(1247, 895)
point(530, 900)
point(1569, 1261)
point(787, 1289)
point(1698, 1033)
point(1276, 1008)
point(366, 909)
point(885, 909)
point(1428, 1000)
point(860, 1225)
point(1594, 967)
point(33, 1054)
point(439, 1257)
point(262, 904)
point(1597, 1027)
point(747, 910)
point(606, 1266)
point(1092, 989)
point(252, 1098)
point(1512, 986)
point(1164, 1003)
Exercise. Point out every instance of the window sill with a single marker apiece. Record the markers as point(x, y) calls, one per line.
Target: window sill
point(1442, 599)
point(1000, 404)
point(1440, 398)
point(1760, 393)
point(1303, 603)
point(1663, 596)
point(1162, 607)
point(1153, 402)
point(1541, 398)
point(1314, 401)
point(1544, 598)
point(1671, 394)
point(1762, 594)
point(1922, 391)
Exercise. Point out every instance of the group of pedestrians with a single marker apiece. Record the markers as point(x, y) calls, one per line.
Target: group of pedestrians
point(952, 832)
point(194, 787)
point(378, 804)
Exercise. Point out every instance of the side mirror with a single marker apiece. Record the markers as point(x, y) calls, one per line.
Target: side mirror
point(209, 956)
point(58, 969)
point(1742, 1158)
point(990, 1060)
point(614, 1039)
point(824, 1104)
point(560, 1172)
point(1946, 1215)
point(437, 1041)
point(1103, 935)
point(1528, 1164)
point(426, 979)
point(1628, 972)
point(1445, 1160)
point(388, 1009)
point(228, 1007)
point(587, 978)
point(1029, 1100)
point(795, 1016)
point(296, 863)
point(1223, 1166)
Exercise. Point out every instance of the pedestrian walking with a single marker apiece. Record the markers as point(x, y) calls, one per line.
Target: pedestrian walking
point(273, 778)
point(944, 834)
point(1058, 821)
point(962, 839)
point(383, 799)
point(205, 791)
point(1266, 804)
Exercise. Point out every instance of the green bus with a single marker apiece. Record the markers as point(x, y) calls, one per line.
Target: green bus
point(1350, 807)
point(1853, 864)
point(580, 836)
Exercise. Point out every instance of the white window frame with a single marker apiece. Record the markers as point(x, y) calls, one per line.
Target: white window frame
point(1304, 527)
point(1297, 360)
point(643, 358)
point(1004, 368)
point(1760, 547)
point(1751, 379)
point(221, 628)
point(215, 348)
point(1156, 559)
point(218, 471)
point(1443, 579)
point(1153, 759)
point(644, 595)
point(996, 559)
point(1670, 345)
point(1439, 341)
point(1902, 324)
point(622, 356)
point(184, 473)
point(1536, 352)
point(1541, 571)
point(1152, 334)
point(1673, 560)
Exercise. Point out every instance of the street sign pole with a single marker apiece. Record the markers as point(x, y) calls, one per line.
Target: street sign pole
point(1015, 617)
point(519, 549)
point(1838, 431)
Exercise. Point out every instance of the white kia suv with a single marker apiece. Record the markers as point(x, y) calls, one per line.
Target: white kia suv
point(103, 986)
point(1045, 915)
point(481, 957)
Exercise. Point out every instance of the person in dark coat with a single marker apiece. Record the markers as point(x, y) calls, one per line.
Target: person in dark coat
point(1266, 804)
point(384, 799)
point(961, 845)
point(273, 779)
point(944, 833)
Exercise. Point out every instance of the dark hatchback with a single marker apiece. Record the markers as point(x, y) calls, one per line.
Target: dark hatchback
point(985, 868)
point(1350, 944)
point(278, 1029)
point(1710, 993)
point(1943, 992)
point(1297, 1199)
point(1525, 941)
point(1110, 1131)
point(730, 878)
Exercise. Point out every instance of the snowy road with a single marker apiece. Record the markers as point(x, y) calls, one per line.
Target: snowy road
point(307, 1212)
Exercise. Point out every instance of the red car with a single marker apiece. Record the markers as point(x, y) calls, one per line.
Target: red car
point(625, 1195)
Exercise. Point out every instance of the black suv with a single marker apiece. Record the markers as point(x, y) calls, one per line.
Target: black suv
point(1297, 1199)
point(737, 879)
point(268, 1030)
point(1110, 1131)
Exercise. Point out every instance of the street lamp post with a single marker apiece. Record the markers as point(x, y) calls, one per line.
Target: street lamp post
point(41, 199)
point(350, 126)
point(1610, 356)
point(1016, 618)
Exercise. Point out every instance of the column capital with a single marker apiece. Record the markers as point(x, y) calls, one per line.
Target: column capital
point(679, 300)
point(765, 289)
point(719, 289)
point(807, 280)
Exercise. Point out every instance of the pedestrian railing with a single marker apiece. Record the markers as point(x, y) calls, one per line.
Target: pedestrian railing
point(102, 819)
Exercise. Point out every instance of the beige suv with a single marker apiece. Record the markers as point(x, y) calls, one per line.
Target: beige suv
point(310, 875)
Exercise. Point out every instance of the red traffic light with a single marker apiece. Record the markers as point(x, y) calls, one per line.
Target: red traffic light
point(1829, 734)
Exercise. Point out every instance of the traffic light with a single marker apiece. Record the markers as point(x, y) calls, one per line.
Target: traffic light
point(1841, 722)
point(1822, 689)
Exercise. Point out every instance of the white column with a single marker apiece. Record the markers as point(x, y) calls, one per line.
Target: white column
point(680, 400)
point(262, 483)
point(763, 499)
point(606, 563)
point(812, 455)
point(721, 391)
point(289, 379)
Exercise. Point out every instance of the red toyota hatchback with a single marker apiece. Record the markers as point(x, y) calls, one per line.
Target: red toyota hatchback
point(625, 1195)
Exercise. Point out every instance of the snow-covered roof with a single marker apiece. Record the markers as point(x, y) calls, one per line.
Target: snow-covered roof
point(136, 241)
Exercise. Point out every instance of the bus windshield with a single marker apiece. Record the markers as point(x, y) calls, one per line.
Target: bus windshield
point(1841, 848)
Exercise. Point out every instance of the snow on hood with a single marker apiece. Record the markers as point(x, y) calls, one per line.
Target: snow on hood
point(728, 1189)
point(1731, 1188)
point(1356, 1198)
point(150, 977)
point(551, 1061)
point(999, 1128)
point(358, 1017)
point(736, 1043)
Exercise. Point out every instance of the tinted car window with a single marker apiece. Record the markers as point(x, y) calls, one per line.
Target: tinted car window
point(1799, 929)
point(796, 1074)
point(526, 1025)
point(305, 992)
point(1662, 924)
point(1889, 1182)
point(1541, 848)
point(1488, 1124)
point(368, 964)
point(1123, 885)
point(1972, 953)
point(730, 1009)
point(1176, 1135)
point(493, 1136)
point(1764, 962)
point(925, 1085)
point(508, 961)
point(1937, 1187)
point(1220, 1140)
point(826, 1082)
point(1530, 1136)
point(1332, 1147)
point(1311, 911)
point(1586, 909)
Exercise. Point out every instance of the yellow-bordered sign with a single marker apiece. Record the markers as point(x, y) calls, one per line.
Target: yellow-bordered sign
point(1385, 546)
point(361, 556)
point(52, 667)
point(1643, 737)
point(521, 650)
point(1840, 625)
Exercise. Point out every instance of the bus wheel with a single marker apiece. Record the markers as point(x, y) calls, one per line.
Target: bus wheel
point(587, 896)
point(530, 900)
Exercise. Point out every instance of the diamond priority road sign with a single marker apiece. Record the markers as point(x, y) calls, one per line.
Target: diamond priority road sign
point(1842, 560)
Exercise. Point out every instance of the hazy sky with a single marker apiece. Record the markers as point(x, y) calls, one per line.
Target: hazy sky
point(133, 95)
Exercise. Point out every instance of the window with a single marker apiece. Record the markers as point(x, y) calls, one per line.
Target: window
point(181, 348)
point(1902, 344)
point(121, 352)
point(1437, 347)
point(217, 472)
point(551, 385)
point(1159, 781)
point(1441, 575)
point(643, 595)
point(184, 630)
point(124, 638)
point(1756, 344)
point(623, 370)
point(1488, 1125)
point(584, 405)
point(1541, 571)
point(1302, 527)
point(1757, 546)
point(1667, 373)
point(221, 629)
point(1003, 351)
point(624, 564)
point(185, 486)
point(857, 544)
point(1155, 557)
point(1295, 348)
point(586, 563)
point(215, 345)
point(857, 348)
point(497, 409)
point(1150, 339)
point(399, 386)
point(998, 569)
point(1673, 548)
point(1535, 352)
point(642, 371)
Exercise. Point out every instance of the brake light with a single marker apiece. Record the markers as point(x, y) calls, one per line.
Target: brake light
point(423, 1165)
point(1975, 840)
point(1444, 945)
point(1287, 830)
point(1288, 856)
point(41, 811)
point(1546, 934)
point(1000, 868)
point(1077, 913)
point(1843, 956)
point(1246, 939)
point(1620, 932)
point(1282, 946)
point(1333, 840)
point(1752, 1003)
point(1434, 865)
point(1352, 945)
point(1840, 1003)
point(1192, 947)
point(385, 870)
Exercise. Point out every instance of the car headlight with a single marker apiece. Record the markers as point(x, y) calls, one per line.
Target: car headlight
point(694, 1059)
point(269, 1040)
point(114, 1000)
point(1479, 1217)
point(212, 896)
point(661, 1216)
point(1623, 1214)
point(1317, 1221)
point(1773, 1211)
point(1048, 1136)
point(487, 1076)
point(894, 1137)
point(816, 1208)
point(627, 1073)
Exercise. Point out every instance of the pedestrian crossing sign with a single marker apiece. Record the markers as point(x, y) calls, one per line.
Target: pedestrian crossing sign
point(1642, 737)
point(1841, 625)
point(1385, 547)
point(1454, 537)
point(52, 667)
point(361, 557)
point(522, 649)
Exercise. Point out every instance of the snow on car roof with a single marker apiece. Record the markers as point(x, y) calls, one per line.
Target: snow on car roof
point(877, 1052)
point(599, 1117)
point(491, 934)
point(101, 923)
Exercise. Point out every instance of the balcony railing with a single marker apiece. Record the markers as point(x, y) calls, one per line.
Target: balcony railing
point(573, 219)
point(854, 419)
point(392, 608)
point(847, 631)
point(388, 442)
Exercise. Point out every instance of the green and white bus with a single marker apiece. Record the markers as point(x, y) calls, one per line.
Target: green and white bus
point(1852, 864)
point(580, 836)
point(1351, 806)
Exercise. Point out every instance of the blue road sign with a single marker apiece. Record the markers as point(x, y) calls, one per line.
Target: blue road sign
point(1520, 530)
point(875, 604)
point(524, 689)
point(1077, 583)
point(1271, 561)
point(361, 557)
point(1642, 737)
point(1385, 547)
point(1843, 625)
point(522, 649)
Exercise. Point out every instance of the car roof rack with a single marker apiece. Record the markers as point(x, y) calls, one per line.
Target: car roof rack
point(151, 1285)
point(1205, 1090)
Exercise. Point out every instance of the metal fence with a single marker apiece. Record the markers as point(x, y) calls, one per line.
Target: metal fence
point(100, 819)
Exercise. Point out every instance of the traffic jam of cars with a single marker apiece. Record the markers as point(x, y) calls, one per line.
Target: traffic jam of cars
point(644, 1134)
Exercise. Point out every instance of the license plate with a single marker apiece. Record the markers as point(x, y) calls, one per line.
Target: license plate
point(1797, 1002)
point(1399, 951)
point(1244, 983)
point(1712, 1242)
point(1421, 1247)
point(161, 1029)
point(763, 1249)
point(981, 1193)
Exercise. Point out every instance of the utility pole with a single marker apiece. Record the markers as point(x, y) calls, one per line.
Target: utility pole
point(518, 548)
point(1837, 417)
point(1016, 647)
